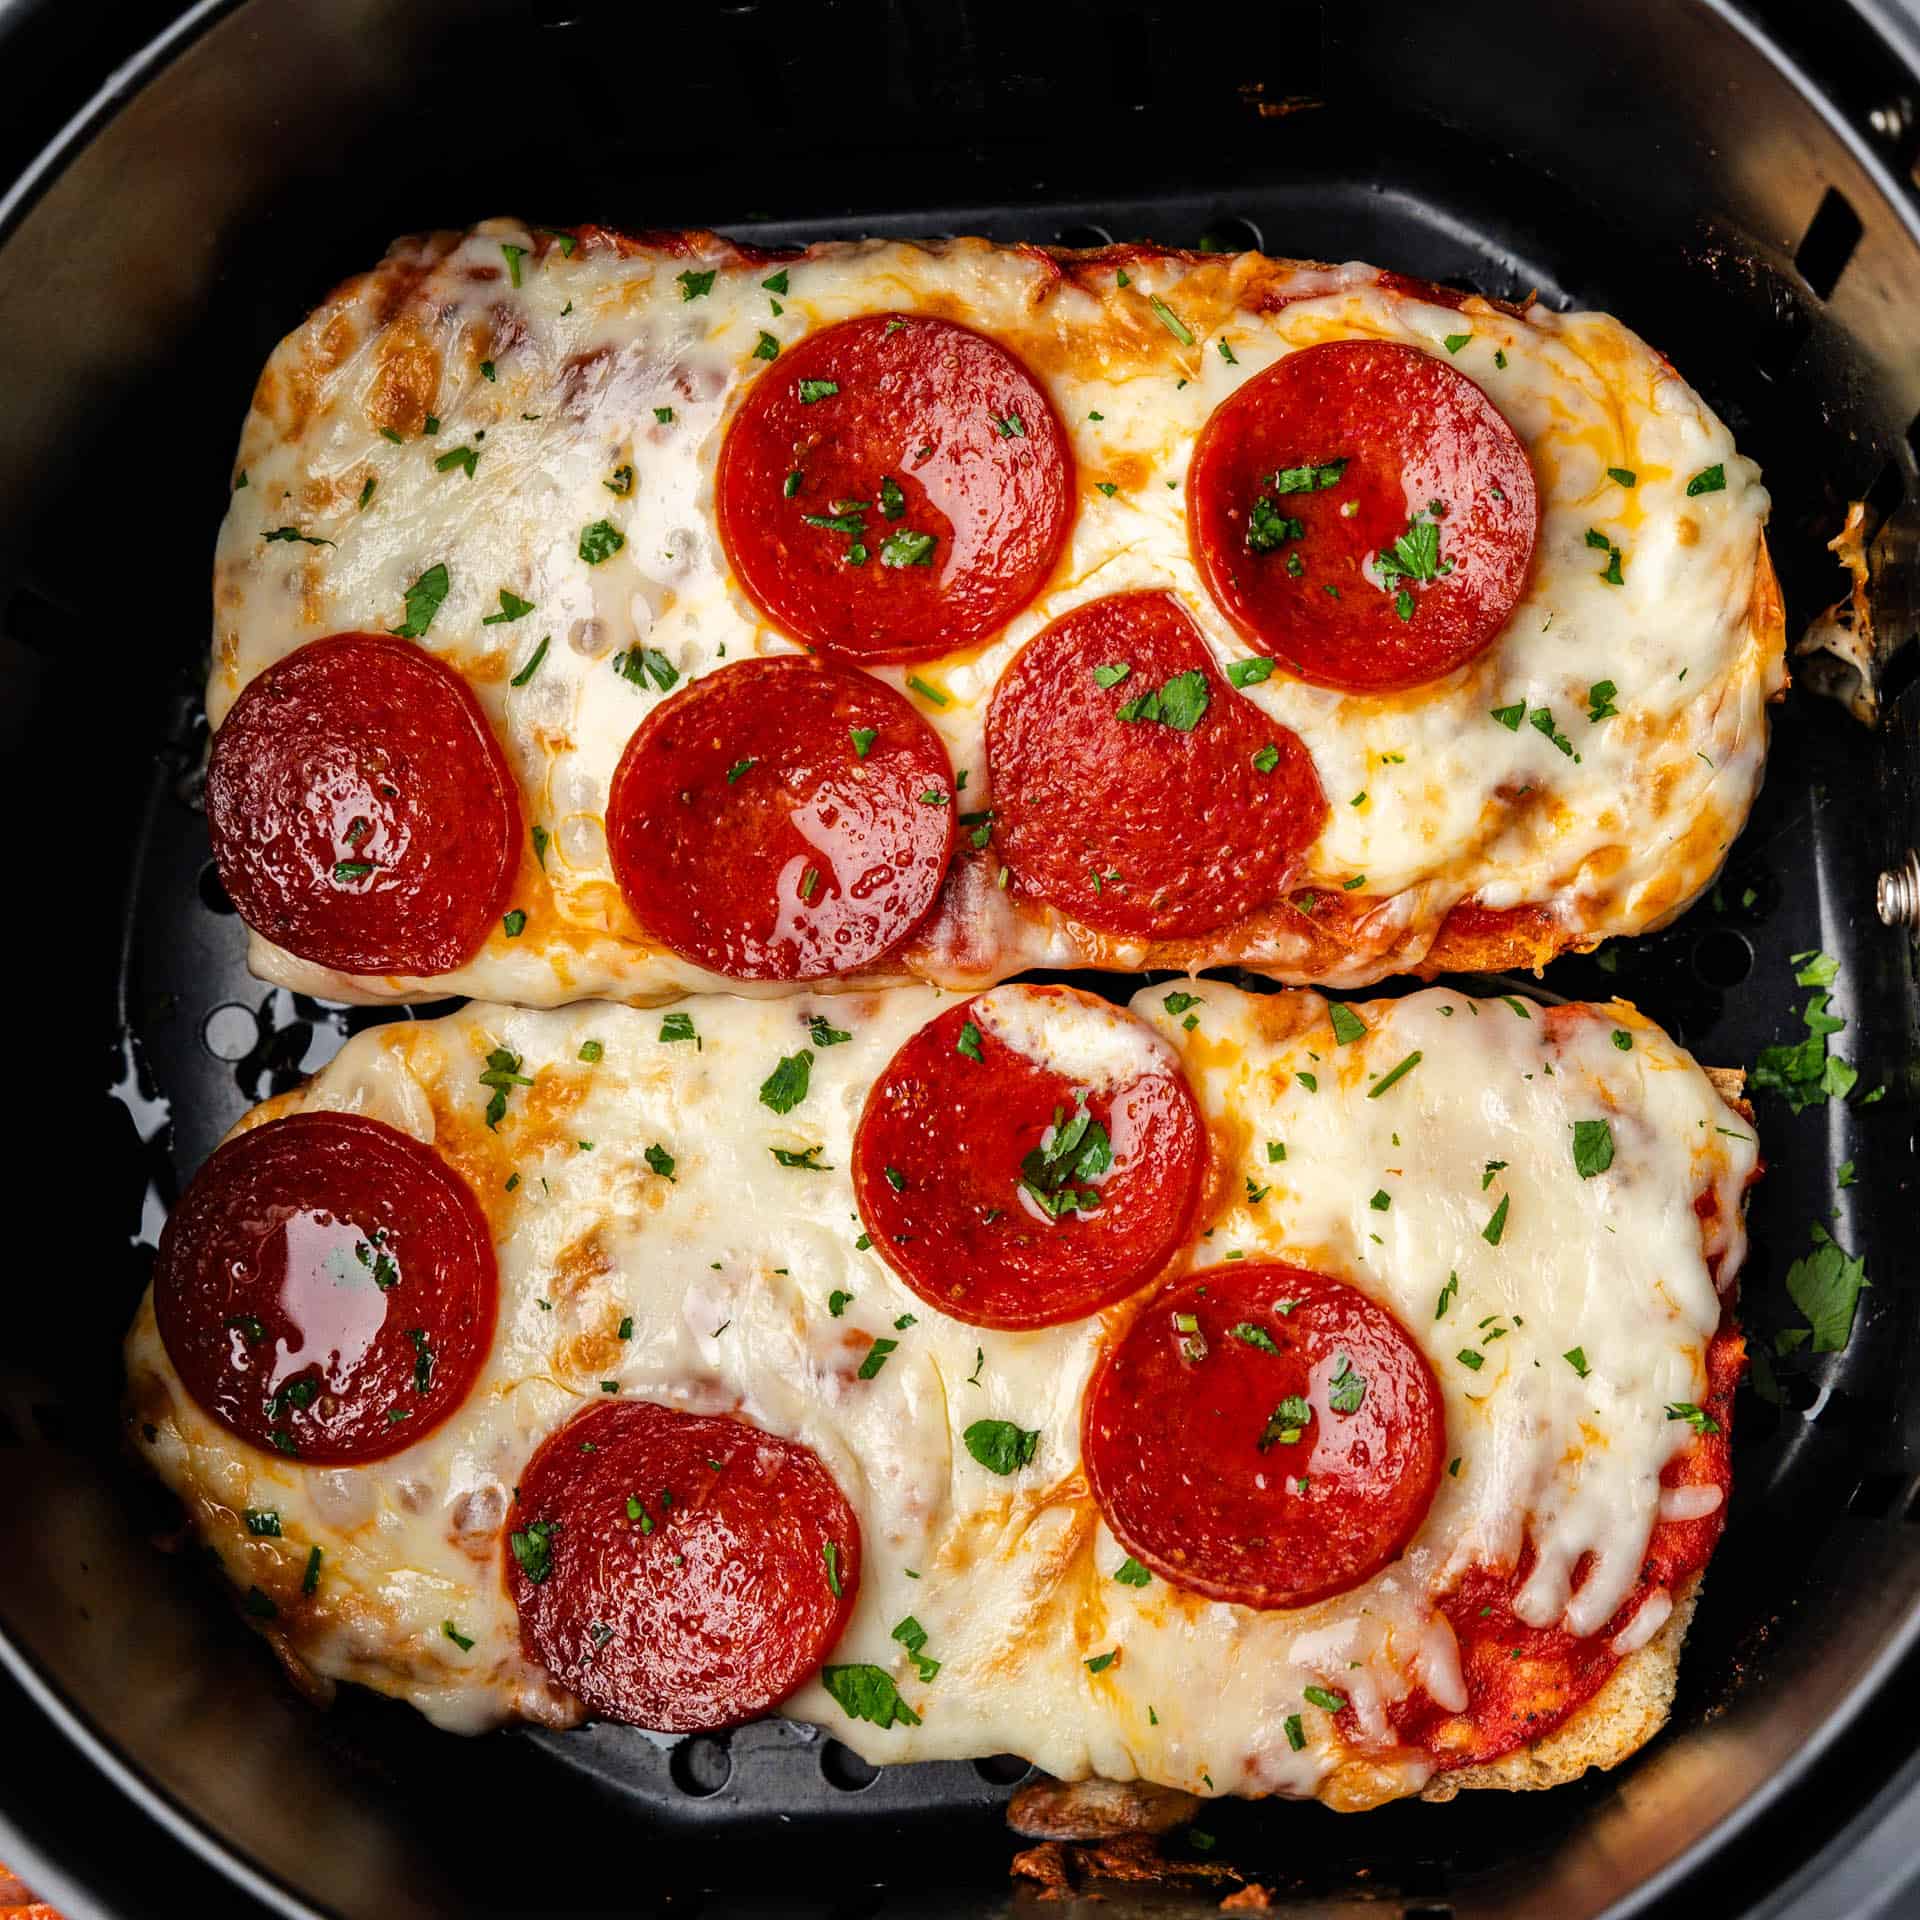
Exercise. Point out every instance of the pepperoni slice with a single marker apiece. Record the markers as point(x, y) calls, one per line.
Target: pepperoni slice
point(782, 820)
point(676, 1570)
point(363, 815)
point(326, 1288)
point(894, 487)
point(1363, 514)
point(1524, 1681)
point(1264, 1434)
point(1133, 787)
point(1029, 1157)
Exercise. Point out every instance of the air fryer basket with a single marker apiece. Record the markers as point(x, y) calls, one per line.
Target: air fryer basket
point(1746, 203)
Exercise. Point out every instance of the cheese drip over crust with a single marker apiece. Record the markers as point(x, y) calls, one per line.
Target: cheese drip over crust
point(652, 1244)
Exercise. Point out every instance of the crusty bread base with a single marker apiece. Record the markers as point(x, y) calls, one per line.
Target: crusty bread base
point(1613, 1726)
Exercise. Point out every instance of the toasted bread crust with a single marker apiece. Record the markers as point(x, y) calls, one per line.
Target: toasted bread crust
point(1611, 1727)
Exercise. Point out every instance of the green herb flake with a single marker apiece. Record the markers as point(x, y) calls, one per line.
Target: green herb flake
point(1000, 1446)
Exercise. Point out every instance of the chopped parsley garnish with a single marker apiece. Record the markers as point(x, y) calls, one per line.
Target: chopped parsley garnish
point(1000, 1446)
point(1170, 320)
point(766, 347)
point(423, 602)
point(1805, 1074)
point(969, 1041)
point(1327, 1702)
point(290, 534)
point(1625, 476)
point(454, 1634)
point(600, 541)
point(1826, 1285)
point(1249, 673)
point(512, 607)
point(532, 667)
point(1130, 1573)
point(830, 1553)
point(1711, 479)
point(1415, 555)
point(913, 1636)
point(695, 285)
point(1112, 674)
point(1179, 704)
point(1576, 1358)
point(638, 665)
point(868, 1693)
point(1347, 1025)
point(1285, 1424)
point(533, 1549)
point(661, 1161)
point(310, 1580)
point(863, 739)
point(1268, 528)
point(1592, 1147)
point(824, 1033)
point(1455, 341)
point(502, 1074)
point(905, 548)
point(678, 1026)
point(1058, 1173)
point(1510, 717)
point(1346, 1389)
point(263, 1522)
point(1400, 1072)
point(1101, 1661)
point(786, 1086)
point(876, 1357)
point(1600, 701)
point(621, 483)
point(1250, 1335)
point(465, 458)
point(1697, 1418)
point(811, 391)
point(1448, 1293)
point(1497, 1225)
point(514, 922)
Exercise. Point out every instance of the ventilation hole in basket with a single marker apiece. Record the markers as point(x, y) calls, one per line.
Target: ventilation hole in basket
point(701, 1766)
point(230, 1032)
point(843, 1768)
point(1083, 236)
point(1231, 234)
point(213, 896)
point(1003, 1769)
point(1722, 958)
point(1828, 243)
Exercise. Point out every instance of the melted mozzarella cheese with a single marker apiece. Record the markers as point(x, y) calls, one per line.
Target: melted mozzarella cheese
point(1616, 823)
point(728, 1272)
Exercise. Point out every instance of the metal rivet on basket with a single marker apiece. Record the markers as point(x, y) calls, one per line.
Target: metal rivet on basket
point(1898, 894)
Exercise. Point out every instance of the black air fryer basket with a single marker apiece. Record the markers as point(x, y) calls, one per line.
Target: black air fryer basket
point(1734, 180)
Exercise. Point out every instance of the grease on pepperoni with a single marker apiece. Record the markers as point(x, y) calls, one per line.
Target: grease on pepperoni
point(1364, 515)
point(1016, 1183)
point(363, 815)
point(782, 819)
point(1264, 1434)
point(1523, 1681)
point(679, 1571)
point(894, 487)
point(1133, 788)
point(327, 1288)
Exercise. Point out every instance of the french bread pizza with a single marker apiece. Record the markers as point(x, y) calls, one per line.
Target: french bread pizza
point(600, 616)
point(1228, 1393)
